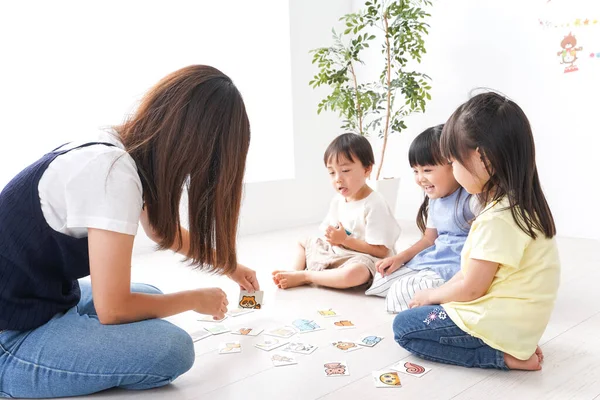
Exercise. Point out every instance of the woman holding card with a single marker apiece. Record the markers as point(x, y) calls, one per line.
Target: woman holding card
point(75, 212)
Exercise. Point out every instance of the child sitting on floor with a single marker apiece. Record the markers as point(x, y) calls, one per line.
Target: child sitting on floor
point(360, 228)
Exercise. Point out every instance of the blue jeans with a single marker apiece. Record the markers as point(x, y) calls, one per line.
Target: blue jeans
point(429, 333)
point(74, 354)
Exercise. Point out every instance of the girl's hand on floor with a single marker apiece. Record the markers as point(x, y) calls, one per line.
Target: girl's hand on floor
point(210, 301)
point(389, 265)
point(421, 298)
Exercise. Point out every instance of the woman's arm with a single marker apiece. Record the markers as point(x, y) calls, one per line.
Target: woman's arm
point(110, 270)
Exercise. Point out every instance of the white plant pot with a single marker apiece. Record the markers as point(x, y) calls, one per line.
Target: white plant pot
point(388, 187)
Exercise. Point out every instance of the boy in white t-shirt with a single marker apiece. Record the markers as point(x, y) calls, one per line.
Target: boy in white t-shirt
point(360, 228)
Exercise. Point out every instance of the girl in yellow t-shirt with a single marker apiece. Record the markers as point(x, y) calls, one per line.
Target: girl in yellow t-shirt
point(493, 312)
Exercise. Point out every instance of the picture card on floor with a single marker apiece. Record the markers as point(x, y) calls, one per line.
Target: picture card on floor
point(209, 318)
point(370, 340)
point(239, 311)
point(386, 379)
point(301, 348)
point(284, 332)
point(410, 368)
point(252, 301)
point(199, 335)
point(217, 329)
point(305, 325)
point(336, 368)
point(328, 313)
point(247, 331)
point(281, 359)
point(344, 324)
point(270, 343)
point(346, 346)
point(230, 347)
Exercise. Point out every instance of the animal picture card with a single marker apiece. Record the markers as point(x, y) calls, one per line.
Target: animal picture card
point(386, 379)
point(270, 343)
point(217, 329)
point(370, 340)
point(284, 332)
point(199, 335)
point(343, 324)
point(230, 347)
point(247, 331)
point(209, 318)
point(336, 368)
point(281, 359)
point(409, 368)
point(251, 300)
point(346, 346)
point(328, 313)
point(236, 312)
point(301, 348)
point(305, 325)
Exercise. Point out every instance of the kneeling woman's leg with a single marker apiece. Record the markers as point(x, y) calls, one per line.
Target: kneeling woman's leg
point(74, 354)
point(429, 333)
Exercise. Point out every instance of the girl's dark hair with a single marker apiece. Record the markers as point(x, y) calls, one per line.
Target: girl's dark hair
point(425, 150)
point(350, 145)
point(500, 130)
point(192, 128)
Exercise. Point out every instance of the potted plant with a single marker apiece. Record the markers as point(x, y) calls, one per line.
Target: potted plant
point(376, 108)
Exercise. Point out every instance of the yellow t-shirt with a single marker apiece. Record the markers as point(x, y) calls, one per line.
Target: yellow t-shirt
point(513, 314)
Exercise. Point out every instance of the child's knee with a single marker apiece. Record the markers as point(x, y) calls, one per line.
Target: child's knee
point(356, 274)
point(176, 354)
point(403, 325)
point(145, 288)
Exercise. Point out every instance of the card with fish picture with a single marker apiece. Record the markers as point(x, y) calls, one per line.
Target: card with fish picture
point(270, 343)
point(386, 379)
point(230, 347)
point(410, 368)
point(245, 331)
point(300, 348)
point(251, 301)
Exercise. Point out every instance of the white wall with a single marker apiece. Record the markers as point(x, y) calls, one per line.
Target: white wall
point(305, 199)
point(71, 67)
point(501, 45)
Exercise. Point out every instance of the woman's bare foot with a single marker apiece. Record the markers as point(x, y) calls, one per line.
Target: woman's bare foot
point(289, 279)
point(534, 363)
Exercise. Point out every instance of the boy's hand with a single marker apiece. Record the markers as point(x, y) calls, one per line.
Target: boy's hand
point(336, 236)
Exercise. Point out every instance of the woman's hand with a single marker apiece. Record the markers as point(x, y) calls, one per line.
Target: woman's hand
point(210, 301)
point(246, 278)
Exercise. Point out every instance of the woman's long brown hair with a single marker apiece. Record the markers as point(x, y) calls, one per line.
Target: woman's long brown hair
point(192, 128)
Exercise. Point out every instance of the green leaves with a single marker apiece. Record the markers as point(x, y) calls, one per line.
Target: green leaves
point(378, 107)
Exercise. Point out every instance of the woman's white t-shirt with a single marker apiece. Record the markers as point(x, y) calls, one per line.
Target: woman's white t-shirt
point(97, 186)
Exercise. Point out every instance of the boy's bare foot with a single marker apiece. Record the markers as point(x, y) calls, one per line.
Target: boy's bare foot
point(289, 279)
point(534, 363)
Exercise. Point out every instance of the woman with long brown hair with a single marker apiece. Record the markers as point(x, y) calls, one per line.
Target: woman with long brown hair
point(75, 213)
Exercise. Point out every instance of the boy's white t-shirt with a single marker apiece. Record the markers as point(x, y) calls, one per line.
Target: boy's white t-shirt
point(97, 186)
point(369, 219)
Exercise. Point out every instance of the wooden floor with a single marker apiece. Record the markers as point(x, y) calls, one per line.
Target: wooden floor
point(571, 343)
